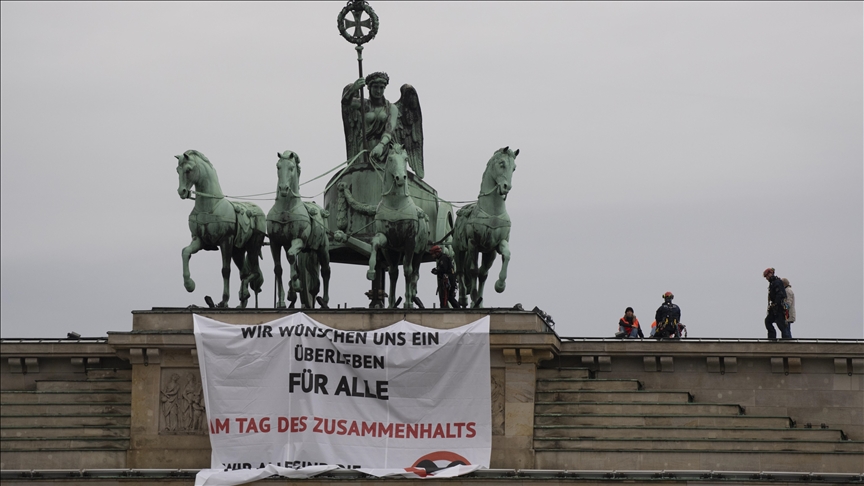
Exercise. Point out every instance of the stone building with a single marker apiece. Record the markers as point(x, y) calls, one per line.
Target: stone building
point(127, 408)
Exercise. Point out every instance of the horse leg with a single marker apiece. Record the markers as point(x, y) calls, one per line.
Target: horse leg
point(408, 270)
point(472, 276)
point(302, 283)
point(378, 241)
point(226, 248)
point(239, 257)
point(276, 251)
point(417, 258)
point(460, 258)
point(187, 252)
point(291, 252)
point(504, 250)
point(488, 259)
point(392, 259)
point(256, 276)
point(324, 261)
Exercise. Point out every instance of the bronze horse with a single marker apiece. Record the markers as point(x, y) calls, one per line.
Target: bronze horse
point(300, 228)
point(235, 228)
point(401, 229)
point(484, 228)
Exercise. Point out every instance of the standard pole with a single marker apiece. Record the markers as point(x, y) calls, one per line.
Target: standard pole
point(359, 49)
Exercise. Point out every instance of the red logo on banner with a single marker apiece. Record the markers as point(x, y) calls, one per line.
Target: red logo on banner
point(435, 461)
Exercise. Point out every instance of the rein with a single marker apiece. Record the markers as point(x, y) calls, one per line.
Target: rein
point(490, 191)
point(375, 166)
point(497, 186)
point(204, 194)
point(348, 162)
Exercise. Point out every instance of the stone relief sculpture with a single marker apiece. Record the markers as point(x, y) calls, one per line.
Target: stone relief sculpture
point(170, 395)
point(182, 405)
point(192, 407)
point(497, 376)
point(198, 412)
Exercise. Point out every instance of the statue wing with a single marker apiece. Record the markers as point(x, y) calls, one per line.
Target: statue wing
point(409, 130)
point(351, 123)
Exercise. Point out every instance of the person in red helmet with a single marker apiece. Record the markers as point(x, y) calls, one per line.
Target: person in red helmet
point(776, 306)
point(446, 273)
point(668, 317)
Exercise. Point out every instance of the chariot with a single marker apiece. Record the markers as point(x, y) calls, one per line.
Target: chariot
point(353, 229)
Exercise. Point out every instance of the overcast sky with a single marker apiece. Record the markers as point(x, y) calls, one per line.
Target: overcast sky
point(664, 146)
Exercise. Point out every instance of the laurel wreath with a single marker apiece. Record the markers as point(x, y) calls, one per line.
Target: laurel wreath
point(356, 6)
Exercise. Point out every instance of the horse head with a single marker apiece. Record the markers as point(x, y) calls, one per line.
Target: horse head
point(189, 168)
point(498, 176)
point(396, 168)
point(288, 168)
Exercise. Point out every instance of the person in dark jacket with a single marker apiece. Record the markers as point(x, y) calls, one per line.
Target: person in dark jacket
point(628, 326)
point(668, 317)
point(776, 306)
point(446, 273)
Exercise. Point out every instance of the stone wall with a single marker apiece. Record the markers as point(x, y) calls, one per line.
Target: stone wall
point(811, 382)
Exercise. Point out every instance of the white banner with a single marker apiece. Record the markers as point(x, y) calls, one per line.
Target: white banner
point(296, 398)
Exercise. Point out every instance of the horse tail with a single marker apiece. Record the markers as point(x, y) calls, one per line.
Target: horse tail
point(250, 263)
point(459, 233)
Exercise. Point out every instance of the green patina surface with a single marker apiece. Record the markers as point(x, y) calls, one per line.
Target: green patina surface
point(376, 211)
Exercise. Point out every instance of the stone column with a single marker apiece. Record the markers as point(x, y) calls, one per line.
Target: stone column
point(517, 368)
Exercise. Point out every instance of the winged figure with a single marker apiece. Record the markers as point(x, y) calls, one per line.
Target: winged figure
point(386, 123)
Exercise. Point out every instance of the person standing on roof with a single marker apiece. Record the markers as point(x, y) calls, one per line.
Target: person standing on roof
point(776, 306)
point(667, 318)
point(628, 326)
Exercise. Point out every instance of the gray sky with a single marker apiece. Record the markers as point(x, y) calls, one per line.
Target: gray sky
point(664, 146)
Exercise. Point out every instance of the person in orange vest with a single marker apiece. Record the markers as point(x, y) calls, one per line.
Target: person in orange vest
point(628, 326)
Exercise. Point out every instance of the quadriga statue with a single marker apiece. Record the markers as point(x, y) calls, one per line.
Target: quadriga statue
point(300, 229)
point(235, 228)
point(484, 228)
